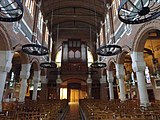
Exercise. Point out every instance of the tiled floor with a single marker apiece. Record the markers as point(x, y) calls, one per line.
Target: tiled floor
point(73, 112)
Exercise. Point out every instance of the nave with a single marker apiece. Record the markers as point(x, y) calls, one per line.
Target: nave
point(86, 109)
point(73, 112)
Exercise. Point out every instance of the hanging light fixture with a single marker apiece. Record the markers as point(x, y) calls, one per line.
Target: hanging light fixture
point(98, 65)
point(10, 14)
point(109, 49)
point(130, 12)
point(35, 48)
point(49, 64)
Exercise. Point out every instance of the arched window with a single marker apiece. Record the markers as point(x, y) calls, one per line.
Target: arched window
point(58, 58)
point(30, 6)
point(77, 54)
point(71, 54)
point(90, 58)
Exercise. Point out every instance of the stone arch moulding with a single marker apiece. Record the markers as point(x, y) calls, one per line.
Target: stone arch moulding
point(121, 57)
point(36, 64)
point(4, 39)
point(24, 58)
point(71, 79)
point(43, 72)
point(111, 64)
point(141, 35)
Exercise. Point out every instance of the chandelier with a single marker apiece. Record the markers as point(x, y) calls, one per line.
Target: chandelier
point(9, 13)
point(130, 12)
point(98, 65)
point(49, 63)
point(35, 48)
point(109, 50)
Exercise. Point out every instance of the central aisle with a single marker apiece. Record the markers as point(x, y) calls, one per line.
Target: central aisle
point(73, 112)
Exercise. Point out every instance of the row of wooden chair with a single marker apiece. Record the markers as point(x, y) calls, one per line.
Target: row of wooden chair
point(35, 110)
point(116, 110)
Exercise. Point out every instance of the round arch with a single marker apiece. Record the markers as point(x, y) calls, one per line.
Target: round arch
point(35, 63)
point(111, 64)
point(24, 58)
point(4, 39)
point(43, 72)
point(121, 57)
point(142, 34)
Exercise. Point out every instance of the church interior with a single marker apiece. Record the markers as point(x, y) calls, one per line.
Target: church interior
point(79, 60)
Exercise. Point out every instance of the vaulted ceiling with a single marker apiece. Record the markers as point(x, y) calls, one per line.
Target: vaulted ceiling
point(79, 19)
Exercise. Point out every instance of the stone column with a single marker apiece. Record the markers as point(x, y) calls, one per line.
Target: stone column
point(110, 79)
point(103, 88)
point(58, 81)
point(36, 79)
point(24, 75)
point(120, 75)
point(5, 67)
point(89, 86)
point(138, 66)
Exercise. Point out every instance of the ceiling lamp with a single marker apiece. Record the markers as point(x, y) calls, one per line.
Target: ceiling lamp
point(10, 14)
point(35, 48)
point(98, 65)
point(48, 65)
point(130, 12)
point(109, 50)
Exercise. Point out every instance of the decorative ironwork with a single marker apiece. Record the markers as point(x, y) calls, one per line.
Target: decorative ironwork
point(11, 14)
point(109, 50)
point(98, 65)
point(35, 49)
point(48, 65)
point(143, 11)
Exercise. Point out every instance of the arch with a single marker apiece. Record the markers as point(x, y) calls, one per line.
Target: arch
point(71, 79)
point(35, 64)
point(142, 34)
point(121, 57)
point(111, 64)
point(24, 58)
point(4, 39)
point(43, 72)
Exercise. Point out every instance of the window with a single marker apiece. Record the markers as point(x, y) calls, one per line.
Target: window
point(90, 58)
point(58, 57)
point(30, 6)
point(77, 54)
point(71, 54)
point(107, 23)
point(115, 5)
point(46, 35)
point(40, 21)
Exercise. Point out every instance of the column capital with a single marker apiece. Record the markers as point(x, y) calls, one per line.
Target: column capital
point(89, 79)
point(110, 76)
point(138, 63)
point(25, 71)
point(43, 80)
point(6, 60)
point(120, 71)
point(59, 80)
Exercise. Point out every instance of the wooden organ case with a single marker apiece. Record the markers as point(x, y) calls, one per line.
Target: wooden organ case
point(74, 57)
